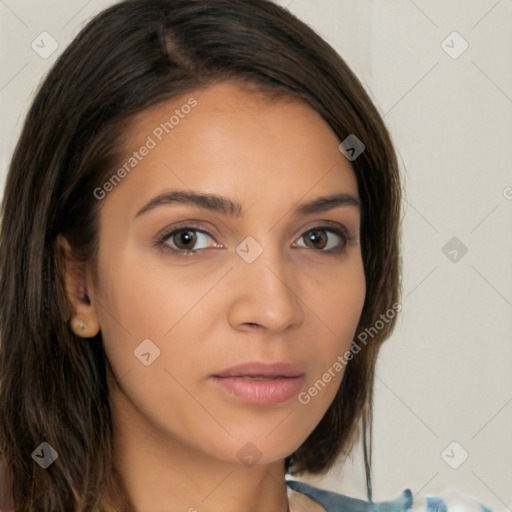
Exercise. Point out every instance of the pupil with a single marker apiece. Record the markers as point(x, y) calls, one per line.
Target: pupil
point(315, 236)
point(187, 238)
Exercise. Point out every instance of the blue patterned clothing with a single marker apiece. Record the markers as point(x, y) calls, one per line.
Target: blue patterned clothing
point(334, 502)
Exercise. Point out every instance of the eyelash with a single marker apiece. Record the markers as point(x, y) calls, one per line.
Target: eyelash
point(162, 238)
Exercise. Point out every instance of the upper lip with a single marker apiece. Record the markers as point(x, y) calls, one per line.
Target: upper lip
point(257, 369)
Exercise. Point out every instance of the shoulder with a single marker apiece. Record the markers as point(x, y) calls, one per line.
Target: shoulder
point(334, 502)
point(450, 501)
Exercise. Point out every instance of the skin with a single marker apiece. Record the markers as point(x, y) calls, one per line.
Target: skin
point(177, 435)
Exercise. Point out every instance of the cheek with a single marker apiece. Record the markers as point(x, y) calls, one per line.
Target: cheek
point(337, 299)
point(172, 307)
point(147, 300)
point(337, 302)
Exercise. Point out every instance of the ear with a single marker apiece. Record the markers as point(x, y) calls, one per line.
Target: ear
point(84, 320)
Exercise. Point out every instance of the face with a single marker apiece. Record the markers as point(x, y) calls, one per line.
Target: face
point(226, 288)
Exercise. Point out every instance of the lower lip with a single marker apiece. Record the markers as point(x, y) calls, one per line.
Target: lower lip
point(262, 392)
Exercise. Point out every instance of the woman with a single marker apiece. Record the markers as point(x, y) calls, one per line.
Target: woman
point(200, 222)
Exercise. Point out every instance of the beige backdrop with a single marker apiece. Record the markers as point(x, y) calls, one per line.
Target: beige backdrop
point(441, 75)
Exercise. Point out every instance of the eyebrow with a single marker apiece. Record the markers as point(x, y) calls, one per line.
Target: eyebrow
point(226, 206)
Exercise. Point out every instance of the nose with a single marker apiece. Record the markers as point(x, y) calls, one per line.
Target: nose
point(265, 294)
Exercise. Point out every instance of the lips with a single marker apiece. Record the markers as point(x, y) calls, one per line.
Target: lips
point(262, 370)
point(261, 383)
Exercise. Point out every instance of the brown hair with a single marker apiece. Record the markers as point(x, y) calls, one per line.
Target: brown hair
point(131, 56)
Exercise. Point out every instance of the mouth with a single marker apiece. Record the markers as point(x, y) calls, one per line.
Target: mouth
point(259, 370)
point(261, 383)
point(262, 378)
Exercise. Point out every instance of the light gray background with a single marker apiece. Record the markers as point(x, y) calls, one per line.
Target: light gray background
point(444, 376)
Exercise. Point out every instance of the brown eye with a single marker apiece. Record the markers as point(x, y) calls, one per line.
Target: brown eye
point(184, 239)
point(318, 239)
point(325, 239)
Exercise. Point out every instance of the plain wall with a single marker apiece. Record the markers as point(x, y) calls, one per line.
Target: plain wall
point(444, 376)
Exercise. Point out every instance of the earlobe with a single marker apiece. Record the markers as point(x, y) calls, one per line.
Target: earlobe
point(84, 321)
point(84, 328)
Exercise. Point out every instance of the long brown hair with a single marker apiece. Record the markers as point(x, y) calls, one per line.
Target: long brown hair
point(131, 56)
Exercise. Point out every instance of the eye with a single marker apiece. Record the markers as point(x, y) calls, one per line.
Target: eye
point(184, 240)
point(188, 240)
point(318, 238)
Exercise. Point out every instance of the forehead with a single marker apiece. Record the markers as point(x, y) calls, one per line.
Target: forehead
point(233, 140)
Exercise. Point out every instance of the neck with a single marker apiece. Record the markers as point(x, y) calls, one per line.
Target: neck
point(161, 473)
point(193, 483)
